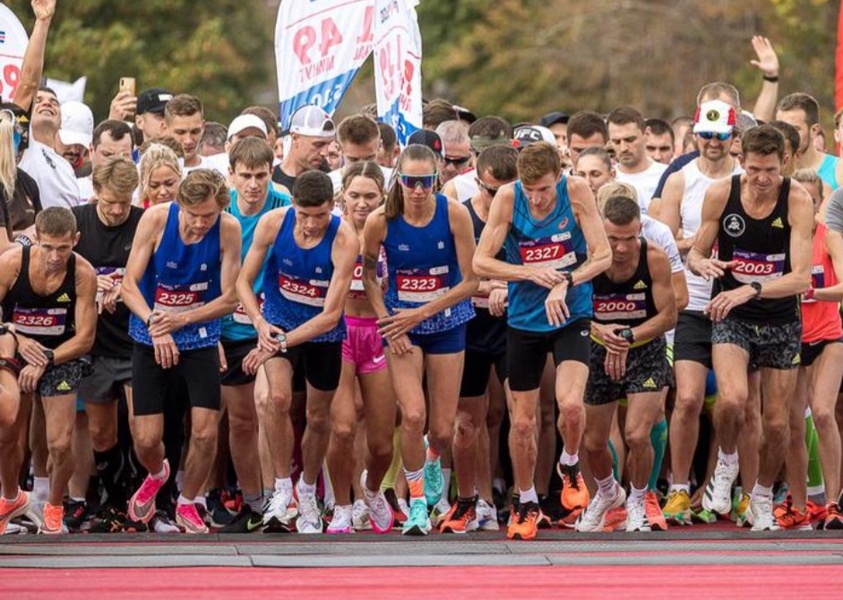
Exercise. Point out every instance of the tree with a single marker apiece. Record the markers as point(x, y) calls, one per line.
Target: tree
point(219, 50)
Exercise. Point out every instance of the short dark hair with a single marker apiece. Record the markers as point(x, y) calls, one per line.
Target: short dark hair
point(388, 137)
point(357, 129)
point(537, 160)
point(804, 102)
point(586, 123)
point(790, 133)
point(55, 221)
point(659, 127)
point(501, 162)
point(490, 127)
point(715, 89)
point(624, 115)
point(183, 105)
point(251, 152)
point(437, 111)
point(620, 210)
point(764, 140)
point(312, 188)
point(215, 134)
point(117, 130)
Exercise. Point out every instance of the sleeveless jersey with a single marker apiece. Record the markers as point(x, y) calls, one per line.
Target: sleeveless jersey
point(557, 242)
point(357, 291)
point(182, 277)
point(423, 266)
point(237, 326)
point(828, 171)
point(484, 333)
point(821, 320)
point(297, 280)
point(49, 320)
point(628, 303)
point(761, 248)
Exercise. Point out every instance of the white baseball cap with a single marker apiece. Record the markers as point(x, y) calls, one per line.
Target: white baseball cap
point(312, 121)
point(529, 134)
point(244, 122)
point(77, 124)
point(715, 116)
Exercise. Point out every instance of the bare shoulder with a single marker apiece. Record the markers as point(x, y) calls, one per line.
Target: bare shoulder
point(10, 262)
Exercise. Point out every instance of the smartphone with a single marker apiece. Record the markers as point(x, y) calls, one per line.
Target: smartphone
point(127, 84)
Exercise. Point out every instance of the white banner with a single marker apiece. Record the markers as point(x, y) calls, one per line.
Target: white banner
point(66, 91)
point(13, 41)
point(398, 56)
point(319, 47)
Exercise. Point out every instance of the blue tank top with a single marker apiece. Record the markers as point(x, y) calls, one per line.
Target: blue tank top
point(828, 171)
point(423, 266)
point(556, 241)
point(237, 326)
point(182, 277)
point(297, 280)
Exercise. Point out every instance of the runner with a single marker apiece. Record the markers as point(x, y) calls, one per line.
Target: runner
point(178, 284)
point(160, 175)
point(428, 241)
point(555, 245)
point(627, 135)
point(762, 225)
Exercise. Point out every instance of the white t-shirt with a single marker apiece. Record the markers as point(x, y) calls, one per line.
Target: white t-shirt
point(645, 182)
point(658, 233)
point(53, 174)
point(466, 185)
point(207, 162)
point(86, 188)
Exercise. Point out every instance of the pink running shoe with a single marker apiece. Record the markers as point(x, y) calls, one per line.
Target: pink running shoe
point(187, 517)
point(142, 503)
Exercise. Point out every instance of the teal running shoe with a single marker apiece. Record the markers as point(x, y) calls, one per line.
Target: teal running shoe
point(418, 522)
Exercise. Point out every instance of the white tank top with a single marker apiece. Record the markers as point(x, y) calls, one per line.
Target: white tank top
point(690, 215)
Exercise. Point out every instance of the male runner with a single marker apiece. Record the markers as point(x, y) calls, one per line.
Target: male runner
point(626, 134)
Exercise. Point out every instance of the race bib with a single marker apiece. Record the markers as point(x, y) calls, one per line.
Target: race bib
point(357, 290)
point(240, 315)
point(555, 252)
point(180, 298)
point(421, 285)
point(817, 281)
point(311, 292)
point(40, 321)
point(620, 307)
point(755, 267)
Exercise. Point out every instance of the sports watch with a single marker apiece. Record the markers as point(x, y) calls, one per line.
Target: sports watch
point(626, 334)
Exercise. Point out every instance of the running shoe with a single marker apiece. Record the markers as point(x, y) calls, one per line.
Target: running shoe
point(310, 518)
point(740, 510)
point(761, 508)
point(636, 515)
point(524, 525)
point(233, 501)
point(833, 518)
point(794, 518)
point(403, 512)
point(462, 518)
point(53, 517)
point(163, 523)
point(574, 493)
point(654, 512)
point(247, 521)
point(218, 515)
point(718, 493)
point(815, 511)
point(14, 529)
point(615, 520)
point(434, 482)
point(187, 517)
point(568, 518)
point(677, 509)
point(10, 509)
point(440, 512)
point(487, 516)
point(279, 513)
point(75, 513)
point(361, 519)
point(342, 521)
point(417, 522)
point(380, 512)
point(398, 514)
point(142, 503)
point(594, 516)
point(704, 516)
point(781, 508)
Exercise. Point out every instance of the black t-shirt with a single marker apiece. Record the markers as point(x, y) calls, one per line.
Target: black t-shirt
point(107, 249)
point(281, 178)
point(18, 212)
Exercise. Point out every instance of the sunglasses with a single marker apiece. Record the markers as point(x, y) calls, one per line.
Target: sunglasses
point(489, 189)
point(412, 181)
point(708, 135)
point(457, 161)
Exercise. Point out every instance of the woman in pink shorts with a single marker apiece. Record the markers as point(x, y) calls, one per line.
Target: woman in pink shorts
point(363, 361)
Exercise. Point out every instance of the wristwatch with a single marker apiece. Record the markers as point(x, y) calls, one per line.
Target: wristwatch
point(569, 277)
point(757, 287)
point(51, 357)
point(626, 334)
point(281, 338)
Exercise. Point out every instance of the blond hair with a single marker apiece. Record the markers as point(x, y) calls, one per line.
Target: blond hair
point(612, 189)
point(201, 184)
point(157, 155)
point(117, 174)
point(8, 165)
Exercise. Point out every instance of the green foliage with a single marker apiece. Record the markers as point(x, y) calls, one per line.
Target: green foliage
point(219, 50)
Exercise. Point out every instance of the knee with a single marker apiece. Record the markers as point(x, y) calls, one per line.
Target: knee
point(59, 446)
point(571, 412)
point(687, 405)
point(103, 436)
point(278, 402)
point(637, 439)
point(343, 434)
point(776, 426)
point(824, 419)
point(466, 431)
point(380, 450)
point(524, 426)
point(8, 418)
point(441, 434)
point(731, 403)
point(146, 442)
point(413, 421)
point(204, 439)
point(241, 426)
point(318, 421)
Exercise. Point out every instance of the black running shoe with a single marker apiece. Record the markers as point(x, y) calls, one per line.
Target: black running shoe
point(75, 513)
point(247, 521)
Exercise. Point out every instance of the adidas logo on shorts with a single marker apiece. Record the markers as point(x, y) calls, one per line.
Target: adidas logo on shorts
point(649, 383)
point(63, 387)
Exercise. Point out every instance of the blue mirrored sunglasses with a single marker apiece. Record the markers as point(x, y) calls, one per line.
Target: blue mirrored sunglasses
point(411, 181)
point(707, 135)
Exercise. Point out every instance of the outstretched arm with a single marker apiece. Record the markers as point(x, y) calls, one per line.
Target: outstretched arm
point(33, 58)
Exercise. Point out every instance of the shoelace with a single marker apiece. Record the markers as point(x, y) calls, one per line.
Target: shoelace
point(277, 502)
point(525, 509)
point(308, 507)
point(418, 511)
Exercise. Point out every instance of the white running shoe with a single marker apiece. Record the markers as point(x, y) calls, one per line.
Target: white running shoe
point(276, 515)
point(636, 516)
point(341, 522)
point(761, 508)
point(310, 518)
point(487, 516)
point(718, 493)
point(360, 517)
point(381, 516)
point(439, 511)
point(594, 516)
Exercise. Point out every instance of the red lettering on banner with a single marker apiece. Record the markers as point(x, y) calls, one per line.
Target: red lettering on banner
point(11, 79)
point(303, 41)
point(368, 34)
point(331, 36)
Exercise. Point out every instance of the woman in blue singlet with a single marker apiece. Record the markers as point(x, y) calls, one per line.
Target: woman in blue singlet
point(429, 245)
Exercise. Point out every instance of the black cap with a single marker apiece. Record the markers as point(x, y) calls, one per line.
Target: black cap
point(153, 100)
point(554, 117)
point(428, 138)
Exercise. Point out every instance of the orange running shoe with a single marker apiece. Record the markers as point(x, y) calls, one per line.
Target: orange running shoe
point(574, 493)
point(53, 516)
point(9, 509)
point(525, 524)
point(782, 509)
point(816, 511)
point(615, 519)
point(569, 518)
point(794, 518)
point(833, 518)
point(654, 512)
point(462, 517)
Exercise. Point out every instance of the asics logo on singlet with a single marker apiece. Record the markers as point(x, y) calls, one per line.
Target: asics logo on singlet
point(640, 286)
point(403, 248)
point(63, 298)
point(172, 265)
point(734, 225)
point(777, 223)
point(563, 223)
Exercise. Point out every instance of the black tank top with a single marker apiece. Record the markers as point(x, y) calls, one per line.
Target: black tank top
point(49, 320)
point(629, 302)
point(761, 248)
point(484, 333)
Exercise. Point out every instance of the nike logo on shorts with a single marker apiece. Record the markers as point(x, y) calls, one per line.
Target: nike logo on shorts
point(379, 359)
